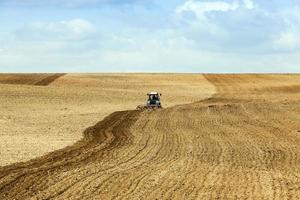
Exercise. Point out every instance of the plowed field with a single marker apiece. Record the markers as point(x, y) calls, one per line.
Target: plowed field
point(35, 119)
point(241, 142)
point(29, 79)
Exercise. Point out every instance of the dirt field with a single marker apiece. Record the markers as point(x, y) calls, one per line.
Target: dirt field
point(37, 119)
point(240, 142)
point(29, 79)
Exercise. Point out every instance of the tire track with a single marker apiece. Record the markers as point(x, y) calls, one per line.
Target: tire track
point(234, 145)
point(29, 79)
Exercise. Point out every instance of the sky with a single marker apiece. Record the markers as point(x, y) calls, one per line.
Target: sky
point(192, 36)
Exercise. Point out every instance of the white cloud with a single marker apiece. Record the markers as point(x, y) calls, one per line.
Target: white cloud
point(65, 3)
point(75, 29)
point(288, 40)
point(79, 26)
point(249, 4)
point(202, 26)
point(200, 8)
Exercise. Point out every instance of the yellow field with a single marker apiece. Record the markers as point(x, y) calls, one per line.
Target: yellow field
point(35, 119)
point(219, 137)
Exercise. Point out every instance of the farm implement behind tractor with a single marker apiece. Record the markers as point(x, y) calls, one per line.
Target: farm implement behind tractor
point(153, 102)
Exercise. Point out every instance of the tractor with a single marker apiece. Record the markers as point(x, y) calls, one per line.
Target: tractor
point(153, 101)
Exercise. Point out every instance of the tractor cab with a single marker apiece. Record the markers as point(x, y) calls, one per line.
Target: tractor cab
point(154, 100)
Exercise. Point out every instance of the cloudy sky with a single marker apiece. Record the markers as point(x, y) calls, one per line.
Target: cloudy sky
point(149, 36)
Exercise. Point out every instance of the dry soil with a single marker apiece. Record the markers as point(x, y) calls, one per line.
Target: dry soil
point(241, 142)
point(39, 118)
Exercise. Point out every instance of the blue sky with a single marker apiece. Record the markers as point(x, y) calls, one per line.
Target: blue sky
point(149, 36)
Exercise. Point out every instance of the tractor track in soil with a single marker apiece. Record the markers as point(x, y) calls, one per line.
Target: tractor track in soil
point(29, 79)
point(243, 142)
